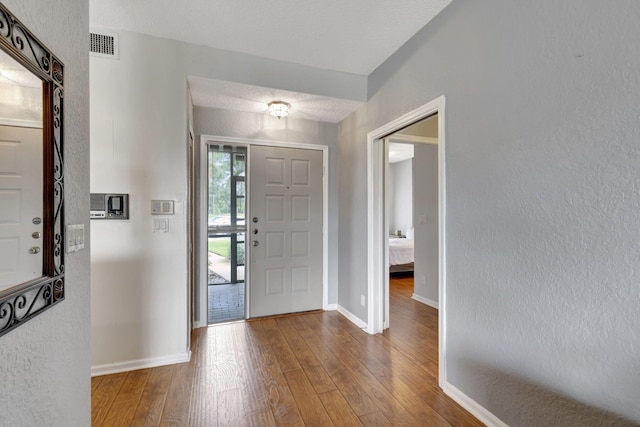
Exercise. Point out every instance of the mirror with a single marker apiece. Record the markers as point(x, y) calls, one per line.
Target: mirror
point(31, 175)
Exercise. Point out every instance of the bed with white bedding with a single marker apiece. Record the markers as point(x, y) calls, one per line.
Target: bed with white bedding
point(400, 254)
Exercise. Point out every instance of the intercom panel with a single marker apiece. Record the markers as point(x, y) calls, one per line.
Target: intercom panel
point(109, 206)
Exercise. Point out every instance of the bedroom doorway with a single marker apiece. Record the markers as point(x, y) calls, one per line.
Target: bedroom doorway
point(428, 287)
point(411, 211)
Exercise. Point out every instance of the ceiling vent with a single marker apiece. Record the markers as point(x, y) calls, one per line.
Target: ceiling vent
point(104, 44)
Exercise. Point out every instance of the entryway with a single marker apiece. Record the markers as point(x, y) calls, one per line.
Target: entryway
point(265, 213)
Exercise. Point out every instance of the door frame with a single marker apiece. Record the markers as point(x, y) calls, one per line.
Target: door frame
point(377, 222)
point(201, 252)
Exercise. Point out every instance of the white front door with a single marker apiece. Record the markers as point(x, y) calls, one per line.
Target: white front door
point(21, 200)
point(285, 230)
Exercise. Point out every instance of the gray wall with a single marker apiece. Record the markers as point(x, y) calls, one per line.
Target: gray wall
point(218, 122)
point(401, 196)
point(44, 364)
point(425, 202)
point(542, 200)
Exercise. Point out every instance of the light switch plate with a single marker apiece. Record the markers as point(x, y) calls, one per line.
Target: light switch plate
point(74, 238)
point(160, 225)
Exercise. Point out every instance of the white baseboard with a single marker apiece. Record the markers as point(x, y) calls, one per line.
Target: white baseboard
point(352, 317)
point(424, 300)
point(132, 365)
point(331, 307)
point(477, 410)
point(200, 324)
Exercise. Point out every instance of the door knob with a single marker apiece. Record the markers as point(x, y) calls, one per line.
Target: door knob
point(34, 250)
point(255, 243)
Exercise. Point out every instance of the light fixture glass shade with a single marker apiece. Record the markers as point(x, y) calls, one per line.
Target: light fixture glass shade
point(279, 109)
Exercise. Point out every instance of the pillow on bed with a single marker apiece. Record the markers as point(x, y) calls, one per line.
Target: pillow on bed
point(409, 233)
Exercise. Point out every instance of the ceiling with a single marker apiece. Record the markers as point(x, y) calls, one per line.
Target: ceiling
point(14, 74)
point(400, 152)
point(212, 93)
point(352, 36)
point(20, 92)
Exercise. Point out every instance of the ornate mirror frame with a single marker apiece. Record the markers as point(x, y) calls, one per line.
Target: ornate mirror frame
point(24, 301)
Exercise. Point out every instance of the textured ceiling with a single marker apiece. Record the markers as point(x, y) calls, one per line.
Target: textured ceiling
point(20, 92)
point(14, 74)
point(254, 99)
point(353, 36)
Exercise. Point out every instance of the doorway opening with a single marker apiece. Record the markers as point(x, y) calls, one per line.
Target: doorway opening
point(411, 209)
point(274, 248)
point(226, 226)
point(378, 221)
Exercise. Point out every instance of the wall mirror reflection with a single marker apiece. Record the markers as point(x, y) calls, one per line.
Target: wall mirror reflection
point(31, 175)
point(21, 180)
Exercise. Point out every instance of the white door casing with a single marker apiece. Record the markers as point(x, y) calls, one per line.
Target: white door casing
point(286, 267)
point(377, 251)
point(21, 200)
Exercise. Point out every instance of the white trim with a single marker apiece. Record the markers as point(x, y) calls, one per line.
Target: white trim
point(426, 301)
point(352, 317)
point(200, 324)
point(331, 307)
point(214, 139)
point(442, 240)
point(21, 123)
point(376, 245)
point(376, 223)
point(385, 242)
point(398, 137)
point(132, 365)
point(325, 228)
point(201, 250)
point(477, 410)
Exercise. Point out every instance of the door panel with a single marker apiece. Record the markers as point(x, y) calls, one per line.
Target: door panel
point(286, 250)
point(274, 209)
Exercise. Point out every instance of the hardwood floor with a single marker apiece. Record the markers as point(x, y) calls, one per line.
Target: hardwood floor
point(315, 369)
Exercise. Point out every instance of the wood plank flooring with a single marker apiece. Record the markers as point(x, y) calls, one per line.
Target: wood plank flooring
point(315, 369)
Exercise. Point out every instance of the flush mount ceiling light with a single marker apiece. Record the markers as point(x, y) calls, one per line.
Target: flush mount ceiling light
point(279, 109)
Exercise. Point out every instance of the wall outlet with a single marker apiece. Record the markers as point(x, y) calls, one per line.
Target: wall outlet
point(362, 300)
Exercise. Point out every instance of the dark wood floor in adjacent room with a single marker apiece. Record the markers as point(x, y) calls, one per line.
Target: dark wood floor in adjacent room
point(307, 370)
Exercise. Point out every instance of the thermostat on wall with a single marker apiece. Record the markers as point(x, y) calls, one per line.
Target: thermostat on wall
point(162, 207)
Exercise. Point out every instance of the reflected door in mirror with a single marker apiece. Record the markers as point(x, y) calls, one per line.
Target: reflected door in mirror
point(20, 204)
point(21, 174)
